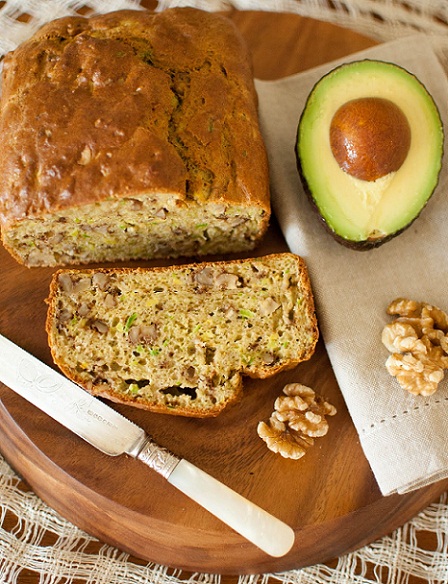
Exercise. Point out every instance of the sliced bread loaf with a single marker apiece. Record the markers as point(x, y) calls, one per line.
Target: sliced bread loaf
point(179, 339)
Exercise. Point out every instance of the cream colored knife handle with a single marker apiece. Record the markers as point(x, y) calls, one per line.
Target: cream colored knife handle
point(259, 527)
point(265, 531)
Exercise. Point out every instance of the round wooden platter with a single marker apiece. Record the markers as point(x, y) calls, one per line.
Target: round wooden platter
point(329, 497)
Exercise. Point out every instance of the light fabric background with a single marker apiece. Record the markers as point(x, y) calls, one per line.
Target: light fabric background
point(74, 556)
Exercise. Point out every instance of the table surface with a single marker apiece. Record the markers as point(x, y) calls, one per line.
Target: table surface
point(298, 34)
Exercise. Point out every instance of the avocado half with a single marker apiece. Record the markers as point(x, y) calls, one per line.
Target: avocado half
point(358, 115)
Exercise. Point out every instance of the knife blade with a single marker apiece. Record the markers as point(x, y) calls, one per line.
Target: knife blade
point(113, 434)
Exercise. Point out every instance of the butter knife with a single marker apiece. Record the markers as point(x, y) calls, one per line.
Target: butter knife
point(113, 434)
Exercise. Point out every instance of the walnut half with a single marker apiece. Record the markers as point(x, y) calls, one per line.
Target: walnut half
point(298, 418)
point(418, 342)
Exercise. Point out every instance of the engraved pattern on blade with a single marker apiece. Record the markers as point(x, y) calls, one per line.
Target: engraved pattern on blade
point(158, 458)
point(35, 378)
point(29, 374)
point(66, 402)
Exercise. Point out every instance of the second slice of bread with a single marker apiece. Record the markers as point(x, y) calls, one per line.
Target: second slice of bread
point(179, 339)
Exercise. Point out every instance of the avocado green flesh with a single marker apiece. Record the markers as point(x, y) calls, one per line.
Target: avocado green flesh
point(354, 209)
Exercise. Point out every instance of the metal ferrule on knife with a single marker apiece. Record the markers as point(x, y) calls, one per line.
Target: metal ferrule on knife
point(156, 457)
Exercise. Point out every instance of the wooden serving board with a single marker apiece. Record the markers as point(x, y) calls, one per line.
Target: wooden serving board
point(329, 497)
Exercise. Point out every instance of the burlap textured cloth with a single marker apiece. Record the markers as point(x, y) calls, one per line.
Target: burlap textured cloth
point(404, 437)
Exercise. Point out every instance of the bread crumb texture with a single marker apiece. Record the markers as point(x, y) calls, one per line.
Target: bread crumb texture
point(179, 339)
point(131, 135)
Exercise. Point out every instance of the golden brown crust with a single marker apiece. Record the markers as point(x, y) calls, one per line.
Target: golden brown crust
point(128, 103)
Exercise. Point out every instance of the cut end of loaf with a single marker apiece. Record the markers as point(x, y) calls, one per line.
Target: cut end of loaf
point(141, 227)
point(178, 340)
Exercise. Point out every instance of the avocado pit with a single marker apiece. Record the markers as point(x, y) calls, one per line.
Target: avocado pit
point(370, 137)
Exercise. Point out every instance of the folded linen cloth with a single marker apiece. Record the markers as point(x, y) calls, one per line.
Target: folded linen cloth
point(404, 437)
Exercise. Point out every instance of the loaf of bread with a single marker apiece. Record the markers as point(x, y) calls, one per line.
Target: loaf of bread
point(131, 135)
point(179, 339)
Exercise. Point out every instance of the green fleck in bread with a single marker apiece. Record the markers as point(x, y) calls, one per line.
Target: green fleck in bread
point(131, 135)
point(179, 339)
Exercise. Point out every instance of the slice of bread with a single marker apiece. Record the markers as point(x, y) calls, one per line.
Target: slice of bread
point(179, 339)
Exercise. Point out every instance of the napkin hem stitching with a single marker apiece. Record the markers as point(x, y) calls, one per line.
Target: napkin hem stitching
point(375, 426)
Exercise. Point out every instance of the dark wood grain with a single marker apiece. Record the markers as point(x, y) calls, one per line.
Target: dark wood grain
point(329, 497)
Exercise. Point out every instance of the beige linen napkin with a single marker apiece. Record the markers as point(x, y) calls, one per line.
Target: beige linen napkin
point(404, 437)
